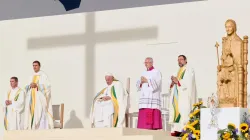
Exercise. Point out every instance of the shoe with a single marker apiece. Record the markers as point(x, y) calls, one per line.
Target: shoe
point(173, 134)
point(176, 134)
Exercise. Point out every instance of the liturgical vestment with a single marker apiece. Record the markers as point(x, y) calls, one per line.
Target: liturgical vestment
point(150, 100)
point(182, 98)
point(110, 113)
point(38, 105)
point(12, 118)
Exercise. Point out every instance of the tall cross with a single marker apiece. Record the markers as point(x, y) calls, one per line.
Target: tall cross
point(89, 39)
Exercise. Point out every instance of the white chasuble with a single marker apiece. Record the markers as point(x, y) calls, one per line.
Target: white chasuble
point(38, 105)
point(12, 118)
point(182, 98)
point(109, 113)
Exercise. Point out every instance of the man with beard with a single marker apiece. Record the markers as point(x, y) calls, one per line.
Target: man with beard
point(183, 96)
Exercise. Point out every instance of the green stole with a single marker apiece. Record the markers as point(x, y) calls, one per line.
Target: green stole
point(175, 103)
point(114, 101)
point(6, 109)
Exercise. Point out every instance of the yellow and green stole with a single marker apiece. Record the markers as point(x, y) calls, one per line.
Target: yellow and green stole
point(177, 115)
point(6, 109)
point(114, 101)
point(33, 99)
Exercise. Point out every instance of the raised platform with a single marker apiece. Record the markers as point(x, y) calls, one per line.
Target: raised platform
point(91, 134)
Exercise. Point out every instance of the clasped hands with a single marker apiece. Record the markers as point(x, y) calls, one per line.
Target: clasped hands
point(174, 80)
point(105, 98)
point(33, 85)
point(8, 102)
point(144, 80)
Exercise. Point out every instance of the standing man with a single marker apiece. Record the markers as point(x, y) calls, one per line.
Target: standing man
point(13, 106)
point(109, 105)
point(183, 96)
point(38, 106)
point(150, 88)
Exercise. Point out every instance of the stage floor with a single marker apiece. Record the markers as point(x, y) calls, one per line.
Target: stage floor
point(89, 134)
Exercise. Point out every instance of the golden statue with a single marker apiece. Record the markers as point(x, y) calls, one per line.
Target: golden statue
point(232, 73)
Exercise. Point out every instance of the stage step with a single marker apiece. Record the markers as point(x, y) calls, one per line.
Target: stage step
point(90, 134)
point(136, 137)
point(93, 131)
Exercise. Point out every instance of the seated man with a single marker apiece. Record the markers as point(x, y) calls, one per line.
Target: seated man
point(109, 105)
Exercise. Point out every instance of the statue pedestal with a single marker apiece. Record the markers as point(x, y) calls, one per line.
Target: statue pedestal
point(224, 116)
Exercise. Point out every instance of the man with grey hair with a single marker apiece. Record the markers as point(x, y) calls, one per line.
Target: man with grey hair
point(150, 86)
point(109, 105)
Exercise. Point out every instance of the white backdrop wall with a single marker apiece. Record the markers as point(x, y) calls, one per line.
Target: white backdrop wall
point(76, 50)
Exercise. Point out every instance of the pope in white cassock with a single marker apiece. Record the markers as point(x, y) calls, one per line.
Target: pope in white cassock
point(38, 107)
point(109, 105)
point(13, 106)
point(183, 96)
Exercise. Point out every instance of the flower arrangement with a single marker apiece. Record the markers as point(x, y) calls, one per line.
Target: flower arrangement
point(231, 132)
point(192, 130)
point(244, 127)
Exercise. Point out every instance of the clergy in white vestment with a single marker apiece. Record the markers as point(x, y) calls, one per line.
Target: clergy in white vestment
point(38, 106)
point(150, 87)
point(109, 105)
point(183, 96)
point(13, 106)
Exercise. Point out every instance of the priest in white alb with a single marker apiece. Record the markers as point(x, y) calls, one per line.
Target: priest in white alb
point(150, 87)
point(13, 106)
point(38, 107)
point(183, 96)
point(109, 105)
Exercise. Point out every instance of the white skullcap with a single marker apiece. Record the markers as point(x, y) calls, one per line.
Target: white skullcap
point(109, 74)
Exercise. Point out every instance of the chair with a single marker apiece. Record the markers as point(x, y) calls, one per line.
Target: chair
point(58, 115)
point(132, 123)
point(165, 110)
point(129, 122)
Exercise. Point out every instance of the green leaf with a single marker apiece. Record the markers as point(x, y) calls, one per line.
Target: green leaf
point(193, 109)
point(230, 127)
point(220, 132)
